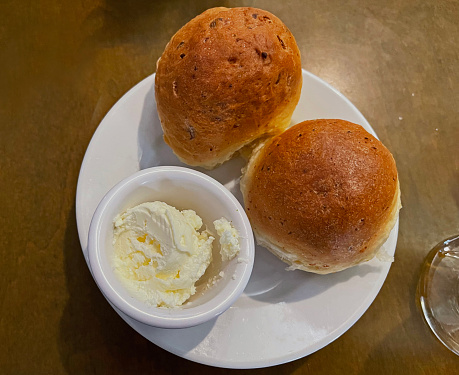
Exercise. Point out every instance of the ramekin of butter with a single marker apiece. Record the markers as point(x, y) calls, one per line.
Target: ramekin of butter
point(171, 247)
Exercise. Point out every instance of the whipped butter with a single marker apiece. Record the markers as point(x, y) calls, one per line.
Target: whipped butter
point(159, 253)
point(229, 238)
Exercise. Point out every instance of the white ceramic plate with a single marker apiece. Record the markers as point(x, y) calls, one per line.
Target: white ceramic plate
point(282, 315)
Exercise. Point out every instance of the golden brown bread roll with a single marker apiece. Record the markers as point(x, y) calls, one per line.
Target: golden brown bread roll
point(226, 78)
point(322, 196)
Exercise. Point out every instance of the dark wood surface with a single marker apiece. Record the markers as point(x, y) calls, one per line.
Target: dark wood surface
point(64, 64)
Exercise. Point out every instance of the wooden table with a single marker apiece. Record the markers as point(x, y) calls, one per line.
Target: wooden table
point(64, 65)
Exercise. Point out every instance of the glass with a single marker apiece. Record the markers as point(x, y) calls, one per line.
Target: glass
point(438, 292)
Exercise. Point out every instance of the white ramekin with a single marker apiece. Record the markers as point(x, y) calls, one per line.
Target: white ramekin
point(182, 188)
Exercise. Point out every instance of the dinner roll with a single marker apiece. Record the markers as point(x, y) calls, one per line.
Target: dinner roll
point(225, 79)
point(322, 196)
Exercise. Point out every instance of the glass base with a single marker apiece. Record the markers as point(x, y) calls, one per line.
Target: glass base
point(438, 292)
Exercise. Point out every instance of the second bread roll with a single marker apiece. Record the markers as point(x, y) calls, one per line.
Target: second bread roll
point(322, 196)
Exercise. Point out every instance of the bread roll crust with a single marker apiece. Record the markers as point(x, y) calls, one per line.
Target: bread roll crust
point(323, 195)
point(226, 78)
